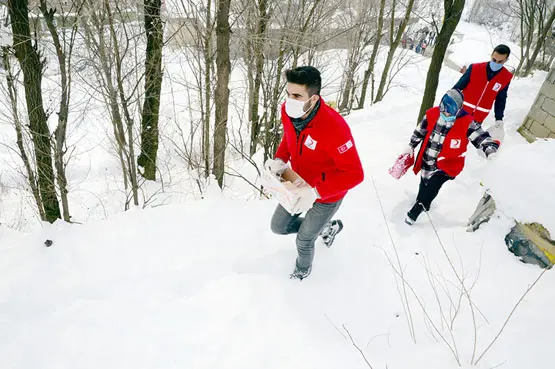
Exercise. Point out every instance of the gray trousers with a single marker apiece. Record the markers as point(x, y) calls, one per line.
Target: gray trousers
point(307, 229)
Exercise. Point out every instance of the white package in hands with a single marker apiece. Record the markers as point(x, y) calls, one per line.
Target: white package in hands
point(284, 188)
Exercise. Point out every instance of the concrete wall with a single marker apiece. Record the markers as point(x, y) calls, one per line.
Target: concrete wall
point(540, 122)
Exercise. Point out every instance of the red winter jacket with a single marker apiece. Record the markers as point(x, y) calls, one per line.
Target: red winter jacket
point(452, 154)
point(480, 94)
point(324, 154)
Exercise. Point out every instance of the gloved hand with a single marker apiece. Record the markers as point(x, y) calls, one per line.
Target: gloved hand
point(306, 196)
point(275, 166)
point(497, 132)
point(408, 150)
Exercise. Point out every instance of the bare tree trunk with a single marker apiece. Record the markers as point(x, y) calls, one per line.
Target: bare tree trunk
point(110, 95)
point(349, 73)
point(223, 33)
point(12, 93)
point(260, 35)
point(273, 124)
point(527, 10)
point(453, 12)
point(31, 65)
point(131, 166)
point(370, 71)
point(153, 87)
point(250, 44)
point(394, 43)
point(521, 25)
point(540, 42)
point(208, 89)
point(308, 21)
point(64, 61)
point(358, 15)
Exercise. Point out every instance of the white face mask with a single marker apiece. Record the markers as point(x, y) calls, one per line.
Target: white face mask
point(294, 108)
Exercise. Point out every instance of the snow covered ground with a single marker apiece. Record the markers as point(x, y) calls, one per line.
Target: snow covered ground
point(202, 283)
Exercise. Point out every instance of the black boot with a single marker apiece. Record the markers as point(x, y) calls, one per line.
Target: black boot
point(413, 213)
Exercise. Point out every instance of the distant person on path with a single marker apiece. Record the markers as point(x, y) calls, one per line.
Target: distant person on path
point(444, 132)
point(318, 143)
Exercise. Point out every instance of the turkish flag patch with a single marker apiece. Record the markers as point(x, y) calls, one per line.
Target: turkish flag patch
point(346, 146)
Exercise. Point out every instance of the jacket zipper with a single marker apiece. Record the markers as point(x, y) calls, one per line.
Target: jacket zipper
point(301, 147)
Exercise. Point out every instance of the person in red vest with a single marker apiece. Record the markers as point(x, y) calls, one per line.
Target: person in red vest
point(485, 83)
point(318, 144)
point(444, 132)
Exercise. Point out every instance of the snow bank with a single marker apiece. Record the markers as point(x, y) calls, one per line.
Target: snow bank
point(522, 182)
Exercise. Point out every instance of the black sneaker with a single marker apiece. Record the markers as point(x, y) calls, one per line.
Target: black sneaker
point(409, 220)
point(330, 231)
point(299, 273)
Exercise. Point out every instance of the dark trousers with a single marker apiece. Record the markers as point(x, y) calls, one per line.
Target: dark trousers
point(427, 192)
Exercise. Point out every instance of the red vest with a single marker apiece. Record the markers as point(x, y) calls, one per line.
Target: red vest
point(324, 154)
point(480, 94)
point(452, 154)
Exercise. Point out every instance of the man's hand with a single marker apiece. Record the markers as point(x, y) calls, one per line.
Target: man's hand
point(275, 166)
point(497, 132)
point(306, 196)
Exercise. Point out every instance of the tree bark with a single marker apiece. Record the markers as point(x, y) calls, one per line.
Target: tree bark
point(207, 47)
point(153, 87)
point(370, 71)
point(260, 39)
point(12, 94)
point(223, 64)
point(392, 48)
point(272, 138)
point(65, 84)
point(31, 65)
point(453, 12)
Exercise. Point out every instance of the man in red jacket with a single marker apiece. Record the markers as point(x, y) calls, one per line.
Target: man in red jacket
point(318, 144)
point(444, 132)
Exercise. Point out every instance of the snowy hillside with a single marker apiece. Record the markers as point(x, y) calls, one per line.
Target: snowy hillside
point(202, 283)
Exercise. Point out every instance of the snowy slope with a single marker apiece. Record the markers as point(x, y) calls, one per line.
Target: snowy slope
point(203, 284)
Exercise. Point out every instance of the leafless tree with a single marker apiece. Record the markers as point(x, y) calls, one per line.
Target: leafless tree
point(453, 12)
point(112, 48)
point(153, 85)
point(63, 38)
point(195, 39)
point(395, 35)
point(11, 92)
point(223, 64)
point(369, 72)
point(544, 29)
point(360, 14)
point(32, 64)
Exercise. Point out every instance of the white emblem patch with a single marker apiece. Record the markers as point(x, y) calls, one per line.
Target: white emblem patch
point(310, 143)
point(346, 146)
point(455, 144)
point(497, 86)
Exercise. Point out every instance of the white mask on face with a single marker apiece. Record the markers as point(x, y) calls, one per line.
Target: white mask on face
point(294, 108)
